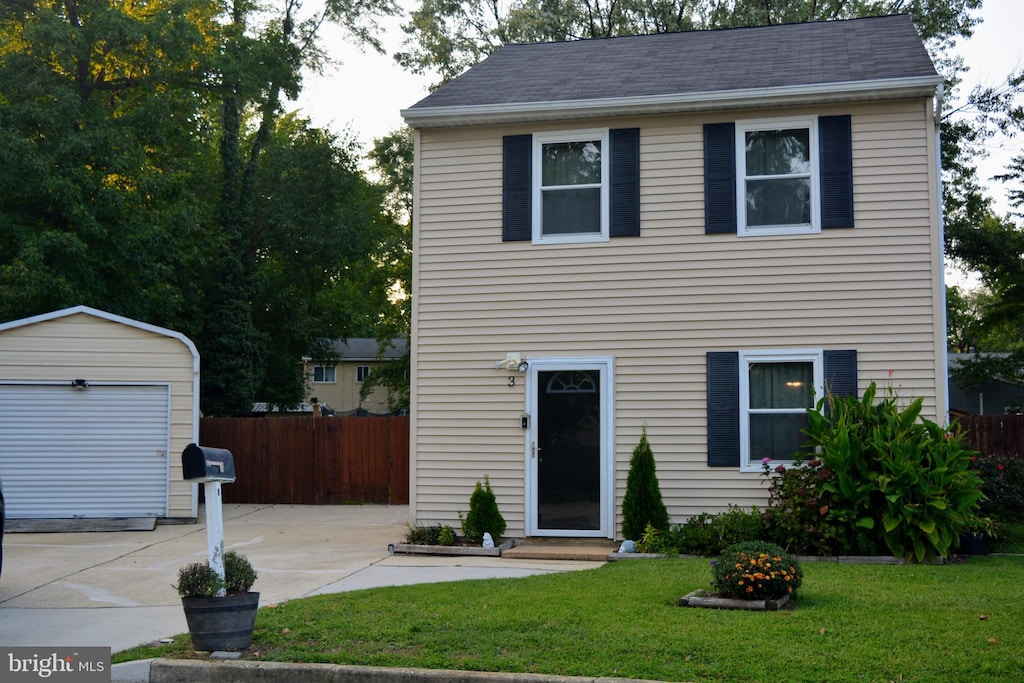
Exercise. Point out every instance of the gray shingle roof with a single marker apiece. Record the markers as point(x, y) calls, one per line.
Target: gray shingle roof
point(690, 63)
point(361, 348)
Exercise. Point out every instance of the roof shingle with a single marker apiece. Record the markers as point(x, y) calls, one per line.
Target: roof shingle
point(855, 50)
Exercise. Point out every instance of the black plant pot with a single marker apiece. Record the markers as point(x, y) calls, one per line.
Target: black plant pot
point(223, 623)
point(973, 544)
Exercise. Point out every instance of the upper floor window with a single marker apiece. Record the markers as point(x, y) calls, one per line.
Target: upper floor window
point(570, 186)
point(362, 372)
point(324, 374)
point(785, 176)
point(776, 390)
point(776, 164)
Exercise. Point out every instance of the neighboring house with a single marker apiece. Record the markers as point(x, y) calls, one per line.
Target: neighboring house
point(998, 396)
point(95, 410)
point(696, 233)
point(337, 386)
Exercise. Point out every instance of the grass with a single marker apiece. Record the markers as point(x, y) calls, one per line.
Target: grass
point(851, 623)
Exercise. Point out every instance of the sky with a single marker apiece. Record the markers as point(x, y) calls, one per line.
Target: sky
point(367, 91)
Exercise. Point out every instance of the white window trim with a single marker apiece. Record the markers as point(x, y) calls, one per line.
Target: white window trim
point(325, 381)
point(742, 127)
point(815, 356)
point(539, 139)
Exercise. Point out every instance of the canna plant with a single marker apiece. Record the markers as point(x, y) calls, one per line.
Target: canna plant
point(903, 476)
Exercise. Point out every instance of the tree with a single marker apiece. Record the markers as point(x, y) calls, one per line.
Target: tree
point(392, 156)
point(148, 169)
point(642, 504)
point(98, 135)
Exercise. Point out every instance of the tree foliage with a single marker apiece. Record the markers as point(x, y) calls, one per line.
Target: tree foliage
point(642, 504)
point(447, 37)
point(149, 169)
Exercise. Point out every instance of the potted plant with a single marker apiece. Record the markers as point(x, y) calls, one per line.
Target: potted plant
point(975, 535)
point(221, 613)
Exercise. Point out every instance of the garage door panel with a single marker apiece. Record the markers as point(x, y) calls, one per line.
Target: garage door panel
point(97, 452)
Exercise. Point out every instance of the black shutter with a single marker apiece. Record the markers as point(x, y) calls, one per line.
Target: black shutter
point(723, 368)
point(516, 191)
point(841, 373)
point(719, 178)
point(624, 200)
point(835, 143)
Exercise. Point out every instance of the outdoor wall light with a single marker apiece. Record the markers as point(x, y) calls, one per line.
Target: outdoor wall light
point(80, 384)
point(512, 361)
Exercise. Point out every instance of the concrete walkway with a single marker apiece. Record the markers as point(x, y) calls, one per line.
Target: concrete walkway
point(115, 589)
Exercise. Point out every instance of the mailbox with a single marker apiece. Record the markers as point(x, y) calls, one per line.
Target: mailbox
point(202, 464)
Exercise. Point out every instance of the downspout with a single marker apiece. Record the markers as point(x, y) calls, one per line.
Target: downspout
point(944, 354)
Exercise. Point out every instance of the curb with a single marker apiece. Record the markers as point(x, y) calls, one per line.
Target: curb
point(196, 671)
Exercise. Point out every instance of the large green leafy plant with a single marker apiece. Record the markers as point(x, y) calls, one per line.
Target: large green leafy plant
point(901, 475)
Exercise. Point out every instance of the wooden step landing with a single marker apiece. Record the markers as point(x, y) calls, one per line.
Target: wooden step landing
point(585, 552)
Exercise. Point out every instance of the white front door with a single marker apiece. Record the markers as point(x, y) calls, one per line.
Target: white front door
point(569, 469)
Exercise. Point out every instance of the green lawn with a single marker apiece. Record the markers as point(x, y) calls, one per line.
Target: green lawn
point(851, 623)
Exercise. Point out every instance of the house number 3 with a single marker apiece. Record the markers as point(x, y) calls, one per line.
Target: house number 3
point(511, 380)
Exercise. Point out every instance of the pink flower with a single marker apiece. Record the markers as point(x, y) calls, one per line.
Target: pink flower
point(765, 461)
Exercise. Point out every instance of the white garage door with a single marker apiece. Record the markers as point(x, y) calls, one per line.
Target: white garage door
point(97, 452)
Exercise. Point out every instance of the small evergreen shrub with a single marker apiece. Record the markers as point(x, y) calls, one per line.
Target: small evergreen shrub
point(423, 535)
point(642, 504)
point(198, 580)
point(1002, 484)
point(239, 574)
point(484, 516)
point(756, 571)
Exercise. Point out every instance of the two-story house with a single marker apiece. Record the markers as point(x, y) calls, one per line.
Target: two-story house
point(694, 232)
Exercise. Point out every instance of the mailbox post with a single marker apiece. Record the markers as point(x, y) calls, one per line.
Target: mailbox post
point(211, 467)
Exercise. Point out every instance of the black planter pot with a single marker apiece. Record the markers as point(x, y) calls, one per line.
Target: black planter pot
point(973, 544)
point(223, 623)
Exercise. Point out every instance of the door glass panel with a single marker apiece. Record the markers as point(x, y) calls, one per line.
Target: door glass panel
point(569, 455)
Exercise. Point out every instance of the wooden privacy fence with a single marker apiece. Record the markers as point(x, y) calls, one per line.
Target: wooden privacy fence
point(313, 460)
point(994, 434)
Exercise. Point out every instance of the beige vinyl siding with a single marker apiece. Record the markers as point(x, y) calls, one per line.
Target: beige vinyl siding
point(104, 351)
point(657, 303)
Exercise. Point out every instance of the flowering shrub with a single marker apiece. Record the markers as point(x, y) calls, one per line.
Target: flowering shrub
point(1002, 485)
point(756, 571)
point(805, 517)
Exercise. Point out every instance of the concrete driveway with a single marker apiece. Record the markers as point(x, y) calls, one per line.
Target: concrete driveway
point(115, 589)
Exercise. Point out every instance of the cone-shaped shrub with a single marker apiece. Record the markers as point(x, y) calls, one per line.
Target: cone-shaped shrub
point(483, 516)
point(642, 504)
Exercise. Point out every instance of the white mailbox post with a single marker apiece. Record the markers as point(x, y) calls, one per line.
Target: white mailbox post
point(211, 467)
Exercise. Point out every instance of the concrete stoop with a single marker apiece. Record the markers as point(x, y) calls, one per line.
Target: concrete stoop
point(545, 551)
point(196, 671)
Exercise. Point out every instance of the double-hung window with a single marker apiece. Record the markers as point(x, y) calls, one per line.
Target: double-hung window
point(777, 188)
point(570, 186)
point(324, 374)
point(776, 389)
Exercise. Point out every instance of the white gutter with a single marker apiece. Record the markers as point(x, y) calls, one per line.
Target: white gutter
point(940, 92)
point(432, 117)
